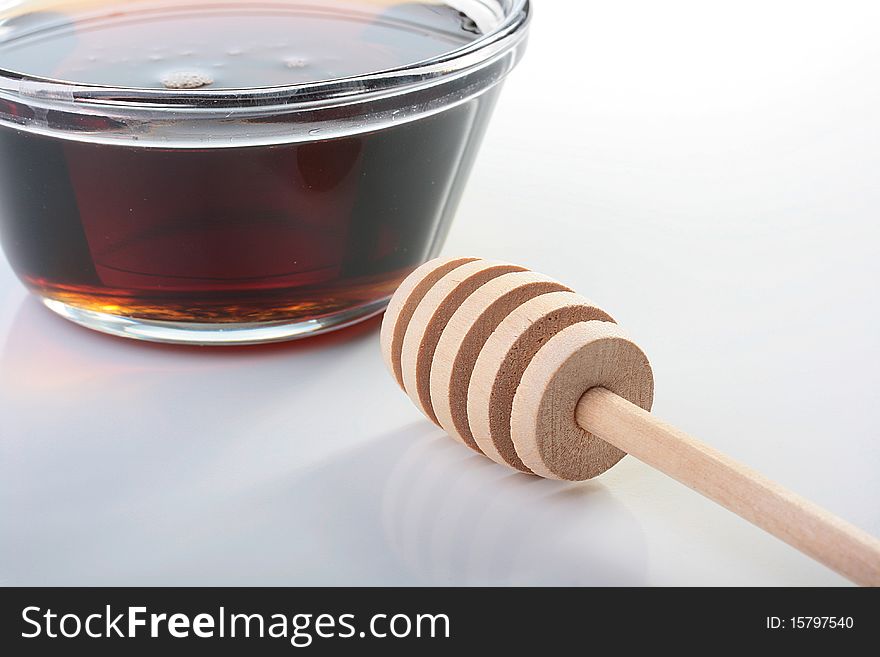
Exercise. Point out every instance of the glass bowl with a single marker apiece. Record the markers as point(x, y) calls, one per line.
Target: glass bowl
point(187, 173)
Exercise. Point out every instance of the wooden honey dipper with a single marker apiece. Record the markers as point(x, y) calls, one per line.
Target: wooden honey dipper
point(521, 369)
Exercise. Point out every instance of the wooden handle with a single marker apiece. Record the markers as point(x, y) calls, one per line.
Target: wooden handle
point(805, 526)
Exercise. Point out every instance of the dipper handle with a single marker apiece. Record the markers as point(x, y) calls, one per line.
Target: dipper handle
point(805, 526)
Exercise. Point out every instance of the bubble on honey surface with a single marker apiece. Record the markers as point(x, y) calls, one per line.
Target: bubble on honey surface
point(468, 24)
point(186, 80)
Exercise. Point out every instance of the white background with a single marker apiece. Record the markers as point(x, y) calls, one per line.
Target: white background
point(709, 172)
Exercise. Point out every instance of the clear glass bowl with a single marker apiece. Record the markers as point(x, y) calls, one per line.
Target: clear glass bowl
point(195, 210)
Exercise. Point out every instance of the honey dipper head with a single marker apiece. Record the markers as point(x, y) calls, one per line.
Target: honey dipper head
point(499, 357)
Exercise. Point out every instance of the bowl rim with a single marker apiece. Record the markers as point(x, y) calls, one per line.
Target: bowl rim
point(509, 32)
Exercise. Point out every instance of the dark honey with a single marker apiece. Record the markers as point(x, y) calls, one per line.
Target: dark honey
point(282, 232)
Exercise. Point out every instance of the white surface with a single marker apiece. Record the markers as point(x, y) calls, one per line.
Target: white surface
point(707, 171)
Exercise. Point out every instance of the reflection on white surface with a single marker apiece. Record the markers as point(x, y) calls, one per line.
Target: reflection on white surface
point(169, 465)
point(129, 467)
point(455, 517)
point(707, 172)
